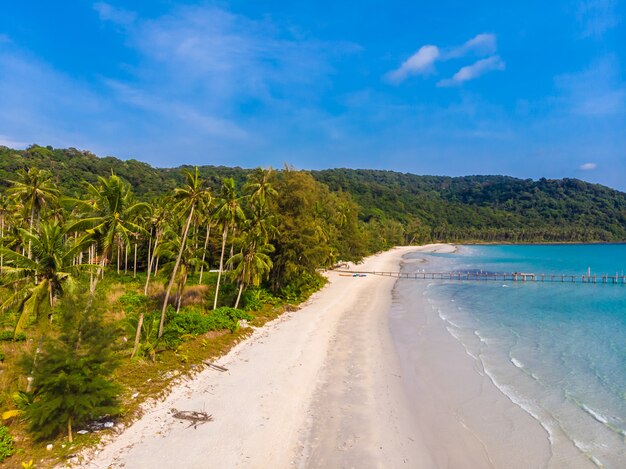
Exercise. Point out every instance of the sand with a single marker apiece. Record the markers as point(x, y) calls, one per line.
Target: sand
point(335, 384)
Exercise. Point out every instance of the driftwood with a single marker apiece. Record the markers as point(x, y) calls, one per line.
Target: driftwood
point(196, 418)
point(213, 365)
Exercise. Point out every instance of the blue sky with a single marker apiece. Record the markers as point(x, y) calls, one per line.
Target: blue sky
point(529, 89)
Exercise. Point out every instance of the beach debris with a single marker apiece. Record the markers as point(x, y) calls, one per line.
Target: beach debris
point(49, 447)
point(195, 417)
point(214, 366)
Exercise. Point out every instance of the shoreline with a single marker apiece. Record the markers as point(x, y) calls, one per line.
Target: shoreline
point(349, 379)
point(473, 420)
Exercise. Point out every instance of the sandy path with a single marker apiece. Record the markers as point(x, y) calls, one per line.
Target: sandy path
point(319, 387)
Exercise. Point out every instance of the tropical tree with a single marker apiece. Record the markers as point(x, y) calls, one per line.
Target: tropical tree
point(229, 212)
point(157, 220)
point(72, 381)
point(188, 198)
point(111, 212)
point(46, 276)
point(34, 189)
point(251, 265)
point(259, 185)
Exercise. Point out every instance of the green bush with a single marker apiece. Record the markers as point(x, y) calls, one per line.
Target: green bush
point(6, 443)
point(300, 288)
point(192, 321)
point(7, 335)
point(255, 298)
point(2, 357)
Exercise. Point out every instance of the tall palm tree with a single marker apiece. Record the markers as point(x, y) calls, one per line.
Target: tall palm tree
point(251, 265)
point(229, 212)
point(53, 268)
point(157, 220)
point(111, 212)
point(188, 198)
point(259, 185)
point(34, 189)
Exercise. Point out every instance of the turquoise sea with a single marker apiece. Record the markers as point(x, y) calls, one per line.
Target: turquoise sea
point(555, 349)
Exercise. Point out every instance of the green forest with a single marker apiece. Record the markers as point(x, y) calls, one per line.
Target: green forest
point(393, 208)
point(116, 277)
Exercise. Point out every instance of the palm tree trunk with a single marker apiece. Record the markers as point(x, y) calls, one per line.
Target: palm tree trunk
point(126, 249)
point(150, 250)
point(137, 335)
point(219, 273)
point(239, 295)
point(69, 429)
point(119, 254)
point(206, 243)
point(156, 243)
point(176, 265)
point(179, 294)
point(30, 229)
point(135, 260)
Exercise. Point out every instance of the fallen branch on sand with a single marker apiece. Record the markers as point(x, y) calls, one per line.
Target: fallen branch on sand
point(196, 418)
point(213, 365)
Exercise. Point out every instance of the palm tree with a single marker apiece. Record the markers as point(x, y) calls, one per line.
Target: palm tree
point(52, 267)
point(188, 261)
point(157, 220)
point(251, 265)
point(34, 189)
point(208, 220)
point(111, 214)
point(259, 186)
point(229, 212)
point(188, 198)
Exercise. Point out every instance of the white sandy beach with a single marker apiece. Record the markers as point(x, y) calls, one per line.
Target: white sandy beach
point(326, 386)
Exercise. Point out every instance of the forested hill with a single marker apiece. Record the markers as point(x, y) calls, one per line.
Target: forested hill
point(488, 208)
point(401, 207)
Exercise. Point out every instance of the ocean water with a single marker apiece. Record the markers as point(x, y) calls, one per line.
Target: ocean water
point(555, 349)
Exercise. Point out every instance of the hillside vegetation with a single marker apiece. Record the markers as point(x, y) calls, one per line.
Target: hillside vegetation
point(393, 207)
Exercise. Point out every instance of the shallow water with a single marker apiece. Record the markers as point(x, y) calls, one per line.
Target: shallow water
point(555, 349)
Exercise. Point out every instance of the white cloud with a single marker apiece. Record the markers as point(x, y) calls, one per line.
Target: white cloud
point(420, 63)
point(471, 72)
point(115, 15)
point(423, 61)
point(480, 45)
point(588, 166)
point(597, 17)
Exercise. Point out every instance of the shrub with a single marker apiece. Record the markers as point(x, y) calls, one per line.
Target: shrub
point(191, 321)
point(254, 299)
point(8, 335)
point(6, 443)
point(72, 380)
point(2, 357)
point(300, 288)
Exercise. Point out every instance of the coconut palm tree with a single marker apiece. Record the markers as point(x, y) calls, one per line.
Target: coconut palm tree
point(251, 265)
point(34, 189)
point(229, 212)
point(259, 186)
point(111, 212)
point(156, 221)
point(188, 198)
point(52, 266)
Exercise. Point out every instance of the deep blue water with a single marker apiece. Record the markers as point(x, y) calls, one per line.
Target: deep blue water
point(556, 349)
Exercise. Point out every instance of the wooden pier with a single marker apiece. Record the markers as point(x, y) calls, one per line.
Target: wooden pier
point(499, 277)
